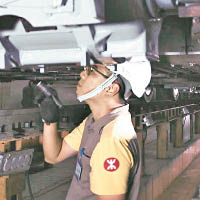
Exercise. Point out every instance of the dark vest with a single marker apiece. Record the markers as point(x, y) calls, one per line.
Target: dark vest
point(80, 189)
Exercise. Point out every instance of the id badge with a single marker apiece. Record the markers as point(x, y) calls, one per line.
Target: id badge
point(79, 168)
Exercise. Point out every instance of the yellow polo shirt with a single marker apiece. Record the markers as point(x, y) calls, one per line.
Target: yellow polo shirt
point(111, 159)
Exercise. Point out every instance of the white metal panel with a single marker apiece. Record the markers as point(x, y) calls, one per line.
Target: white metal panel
point(126, 45)
point(71, 43)
point(37, 4)
point(26, 3)
point(2, 57)
point(52, 56)
point(45, 48)
point(126, 39)
point(44, 41)
point(51, 13)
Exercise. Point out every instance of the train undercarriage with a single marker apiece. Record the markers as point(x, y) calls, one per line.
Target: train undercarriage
point(50, 41)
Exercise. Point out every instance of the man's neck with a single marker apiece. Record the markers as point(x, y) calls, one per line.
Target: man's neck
point(101, 109)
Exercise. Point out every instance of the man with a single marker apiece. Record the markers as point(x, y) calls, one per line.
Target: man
point(108, 161)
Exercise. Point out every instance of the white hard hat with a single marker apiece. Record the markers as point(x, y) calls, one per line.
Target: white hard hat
point(136, 75)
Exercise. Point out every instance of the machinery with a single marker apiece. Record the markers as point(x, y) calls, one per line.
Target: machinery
point(15, 162)
point(49, 40)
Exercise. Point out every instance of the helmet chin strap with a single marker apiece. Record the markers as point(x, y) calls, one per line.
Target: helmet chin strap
point(98, 89)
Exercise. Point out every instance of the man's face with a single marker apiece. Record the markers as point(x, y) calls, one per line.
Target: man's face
point(90, 79)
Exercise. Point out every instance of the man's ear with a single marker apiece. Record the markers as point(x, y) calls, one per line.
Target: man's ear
point(112, 89)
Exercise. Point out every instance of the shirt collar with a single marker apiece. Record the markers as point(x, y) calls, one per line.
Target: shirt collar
point(98, 124)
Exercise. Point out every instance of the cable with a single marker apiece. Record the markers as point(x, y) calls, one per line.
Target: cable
point(29, 185)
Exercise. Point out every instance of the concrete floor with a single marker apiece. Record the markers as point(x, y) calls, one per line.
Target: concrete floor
point(51, 183)
point(184, 186)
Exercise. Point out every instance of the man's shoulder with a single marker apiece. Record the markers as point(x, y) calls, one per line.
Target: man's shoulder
point(120, 128)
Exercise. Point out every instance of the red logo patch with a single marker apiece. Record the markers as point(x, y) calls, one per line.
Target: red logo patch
point(111, 164)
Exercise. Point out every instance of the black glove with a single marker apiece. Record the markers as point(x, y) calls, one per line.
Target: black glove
point(49, 111)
